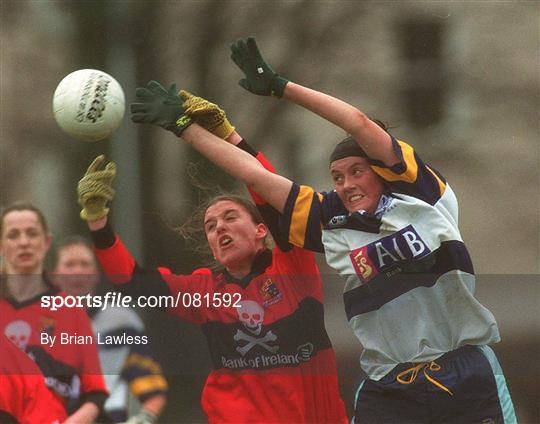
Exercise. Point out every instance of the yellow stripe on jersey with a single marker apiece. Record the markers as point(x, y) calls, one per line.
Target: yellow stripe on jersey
point(411, 167)
point(150, 383)
point(442, 186)
point(300, 215)
point(144, 362)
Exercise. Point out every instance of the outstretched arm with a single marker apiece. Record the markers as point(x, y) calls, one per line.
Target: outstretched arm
point(166, 108)
point(261, 79)
point(240, 165)
point(375, 141)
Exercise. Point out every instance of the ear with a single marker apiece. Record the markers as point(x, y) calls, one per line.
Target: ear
point(261, 231)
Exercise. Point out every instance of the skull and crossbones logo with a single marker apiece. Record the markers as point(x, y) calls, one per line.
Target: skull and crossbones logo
point(251, 314)
point(19, 333)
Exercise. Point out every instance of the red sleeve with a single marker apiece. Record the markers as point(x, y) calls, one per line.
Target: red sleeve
point(23, 393)
point(301, 263)
point(121, 269)
point(116, 261)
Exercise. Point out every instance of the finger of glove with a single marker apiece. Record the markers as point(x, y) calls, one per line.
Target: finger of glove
point(185, 95)
point(156, 88)
point(251, 46)
point(139, 118)
point(195, 100)
point(92, 198)
point(96, 190)
point(110, 170)
point(175, 101)
point(173, 91)
point(243, 50)
point(138, 107)
point(234, 46)
point(200, 106)
point(100, 173)
point(239, 53)
point(237, 60)
point(96, 163)
point(143, 92)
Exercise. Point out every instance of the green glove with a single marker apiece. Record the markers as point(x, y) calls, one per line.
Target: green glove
point(95, 189)
point(160, 107)
point(260, 78)
point(208, 115)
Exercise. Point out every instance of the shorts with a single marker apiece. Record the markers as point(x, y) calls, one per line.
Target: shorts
point(463, 386)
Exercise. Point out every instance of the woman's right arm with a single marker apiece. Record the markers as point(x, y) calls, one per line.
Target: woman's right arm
point(240, 164)
point(95, 191)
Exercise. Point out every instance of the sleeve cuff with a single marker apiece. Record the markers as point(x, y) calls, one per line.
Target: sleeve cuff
point(244, 145)
point(398, 168)
point(97, 398)
point(103, 238)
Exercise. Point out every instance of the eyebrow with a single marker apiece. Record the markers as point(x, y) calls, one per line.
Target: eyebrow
point(225, 213)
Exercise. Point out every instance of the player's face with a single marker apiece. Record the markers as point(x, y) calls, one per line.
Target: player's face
point(76, 270)
point(233, 237)
point(24, 242)
point(356, 183)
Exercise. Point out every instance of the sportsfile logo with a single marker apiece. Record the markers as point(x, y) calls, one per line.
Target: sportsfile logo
point(379, 256)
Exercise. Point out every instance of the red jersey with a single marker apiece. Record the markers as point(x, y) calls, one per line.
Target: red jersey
point(31, 327)
point(24, 398)
point(272, 358)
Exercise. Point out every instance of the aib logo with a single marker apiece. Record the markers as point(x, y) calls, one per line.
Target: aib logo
point(404, 245)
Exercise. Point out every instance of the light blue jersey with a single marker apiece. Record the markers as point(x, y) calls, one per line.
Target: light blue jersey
point(409, 280)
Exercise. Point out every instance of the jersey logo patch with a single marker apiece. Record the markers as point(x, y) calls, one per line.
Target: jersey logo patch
point(270, 293)
point(383, 254)
point(47, 325)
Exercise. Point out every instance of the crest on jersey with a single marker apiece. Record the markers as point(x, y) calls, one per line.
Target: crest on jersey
point(270, 293)
point(388, 254)
point(47, 325)
point(363, 265)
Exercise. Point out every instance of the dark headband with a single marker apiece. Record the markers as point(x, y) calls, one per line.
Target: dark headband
point(346, 148)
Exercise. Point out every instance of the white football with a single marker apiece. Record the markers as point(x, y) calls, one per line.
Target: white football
point(89, 104)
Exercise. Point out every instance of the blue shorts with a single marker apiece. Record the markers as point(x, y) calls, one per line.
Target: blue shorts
point(462, 386)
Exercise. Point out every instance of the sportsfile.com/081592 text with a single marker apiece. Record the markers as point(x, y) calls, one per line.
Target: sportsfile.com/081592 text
point(114, 299)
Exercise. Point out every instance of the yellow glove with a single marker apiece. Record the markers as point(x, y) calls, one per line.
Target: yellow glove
point(95, 189)
point(208, 115)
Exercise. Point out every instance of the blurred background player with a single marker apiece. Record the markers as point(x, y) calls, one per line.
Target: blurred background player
point(272, 358)
point(24, 243)
point(390, 228)
point(129, 369)
point(24, 397)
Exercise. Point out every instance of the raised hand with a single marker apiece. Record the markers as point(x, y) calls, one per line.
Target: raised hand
point(260, 78)
point(95, 189)
point(157, 106)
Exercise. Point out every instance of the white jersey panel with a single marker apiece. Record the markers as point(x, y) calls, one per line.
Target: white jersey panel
point(409, 288)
